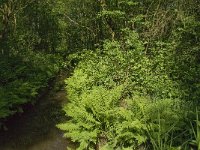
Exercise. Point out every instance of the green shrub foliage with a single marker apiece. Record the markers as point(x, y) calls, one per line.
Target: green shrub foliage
point(136, 68)
point(31, 51)
point(122, 98)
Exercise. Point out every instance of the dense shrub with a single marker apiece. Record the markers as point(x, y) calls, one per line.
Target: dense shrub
point(121, 98)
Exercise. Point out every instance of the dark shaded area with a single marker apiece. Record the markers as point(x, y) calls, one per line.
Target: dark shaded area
point(35, 128)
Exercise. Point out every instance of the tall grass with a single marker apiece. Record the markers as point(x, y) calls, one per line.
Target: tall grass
point(196, 132)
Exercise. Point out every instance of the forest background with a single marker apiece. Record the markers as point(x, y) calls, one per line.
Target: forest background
point(135, 65)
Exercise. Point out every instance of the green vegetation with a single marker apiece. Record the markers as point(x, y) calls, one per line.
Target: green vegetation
point(30, 52)
point(135, 81)
point(139, 87)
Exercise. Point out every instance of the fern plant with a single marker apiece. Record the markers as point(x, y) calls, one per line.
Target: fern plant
point(98, 119)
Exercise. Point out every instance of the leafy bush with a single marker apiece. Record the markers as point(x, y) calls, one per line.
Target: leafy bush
point(120, 62)
point(121, 98)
